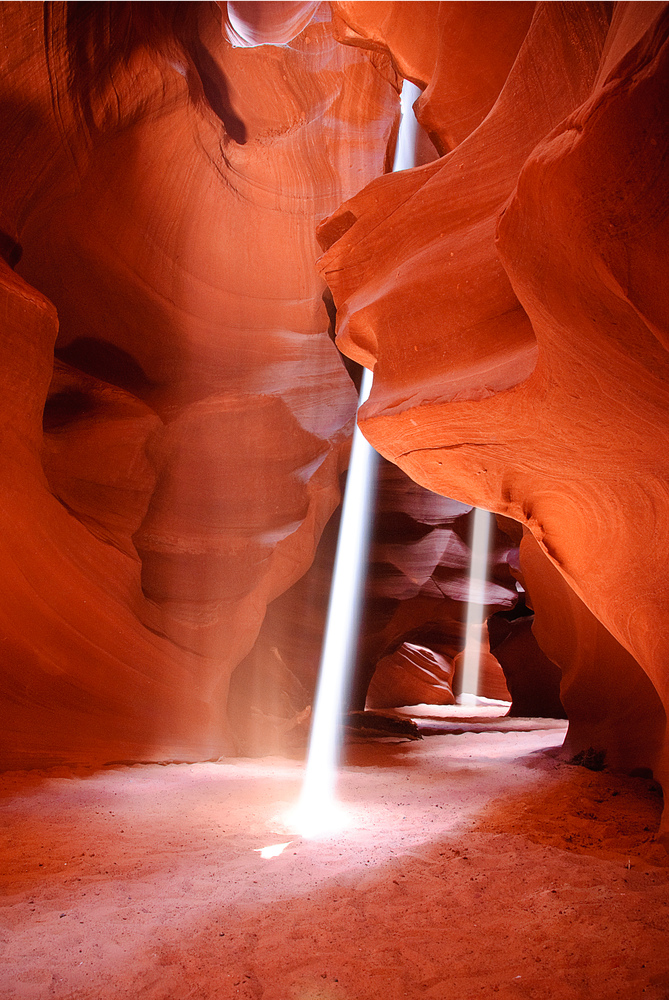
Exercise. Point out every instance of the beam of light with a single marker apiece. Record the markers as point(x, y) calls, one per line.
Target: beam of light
point(318, 812)
point(476, 601)
point(405, 151)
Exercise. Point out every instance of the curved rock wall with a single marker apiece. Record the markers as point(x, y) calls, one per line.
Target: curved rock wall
point(417, 587)
point(176, 418)
point(416, 592)
point(510, 298)
point(161, 190)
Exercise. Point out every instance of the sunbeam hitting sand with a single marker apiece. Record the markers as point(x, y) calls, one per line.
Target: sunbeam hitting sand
point(471, 865)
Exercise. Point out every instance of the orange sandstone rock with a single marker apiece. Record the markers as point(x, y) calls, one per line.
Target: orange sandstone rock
point(510, 298)
point(412, 675)
point(161, 189)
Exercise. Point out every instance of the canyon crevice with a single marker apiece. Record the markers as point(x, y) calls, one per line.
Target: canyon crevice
point(196, 198)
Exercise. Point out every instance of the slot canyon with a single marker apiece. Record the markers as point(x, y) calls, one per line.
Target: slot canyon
point(203, 243)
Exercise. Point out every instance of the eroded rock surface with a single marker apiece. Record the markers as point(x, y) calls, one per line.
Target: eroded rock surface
point(416, 596)
point(176, 419)
point(417, 587)
point(410, 676)
point(510, 298)
point(161, 190)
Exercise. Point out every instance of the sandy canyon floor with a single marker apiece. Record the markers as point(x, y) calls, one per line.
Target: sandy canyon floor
point(473, 865)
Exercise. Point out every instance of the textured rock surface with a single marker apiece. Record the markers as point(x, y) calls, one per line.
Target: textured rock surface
point(611, 703)
point(416, 592)
point(511, 299)
point(175, 417)
point(161, 189)
point(410, 676)
point(418, 580)
point(459, 55)
point(533, 680)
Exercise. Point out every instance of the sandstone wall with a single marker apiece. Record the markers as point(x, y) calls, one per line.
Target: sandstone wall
point(176, 418)
point(511, 299)
point(161, 190)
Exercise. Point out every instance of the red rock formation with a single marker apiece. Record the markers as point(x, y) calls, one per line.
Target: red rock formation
point(81, 678)
point(418, 580)
point(162, 182)
point(416, 595)
point(274, 684)
point(458, 54)
point(611, 703)
point(412, 675)
point(532, 679)
point(510, 299)
point(164, 188)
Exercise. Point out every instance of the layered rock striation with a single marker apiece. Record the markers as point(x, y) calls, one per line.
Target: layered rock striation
point(175, 415)
point(412, 623)
point(161, 189)
point(510, 301)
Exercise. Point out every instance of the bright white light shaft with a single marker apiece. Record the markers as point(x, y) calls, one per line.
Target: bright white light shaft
point(341, 631)
point(477, 583)
point(317, 811)
point(405, 152)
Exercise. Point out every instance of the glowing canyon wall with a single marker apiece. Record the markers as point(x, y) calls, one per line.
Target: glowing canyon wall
point(176, 417)
point(161, 191)
point(510, 298)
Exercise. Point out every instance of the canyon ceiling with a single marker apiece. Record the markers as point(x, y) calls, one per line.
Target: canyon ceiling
point(194, 196)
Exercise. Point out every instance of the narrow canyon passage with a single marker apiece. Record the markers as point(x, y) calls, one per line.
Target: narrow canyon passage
point(202, 245)
point(473, 864)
